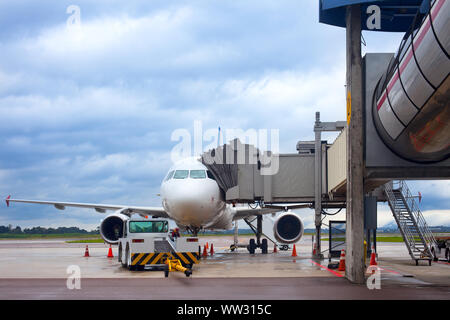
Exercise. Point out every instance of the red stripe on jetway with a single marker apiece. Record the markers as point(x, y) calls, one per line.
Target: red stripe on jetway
point(383, 97)
point(438, 7)
point(422, 35)
point(416, 43)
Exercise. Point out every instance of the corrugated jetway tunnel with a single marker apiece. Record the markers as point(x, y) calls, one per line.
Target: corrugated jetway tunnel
point(411, 101)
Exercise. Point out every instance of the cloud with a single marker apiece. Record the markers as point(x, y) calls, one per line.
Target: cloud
point(87, 115)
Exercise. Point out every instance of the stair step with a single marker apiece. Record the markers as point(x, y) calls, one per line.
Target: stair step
point(407, 217)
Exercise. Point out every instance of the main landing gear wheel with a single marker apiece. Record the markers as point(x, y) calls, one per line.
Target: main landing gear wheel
point(264, 246)
point(251, 246)
point(259, 243)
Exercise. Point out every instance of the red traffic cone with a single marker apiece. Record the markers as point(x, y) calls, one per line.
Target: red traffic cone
point(207, 246)
point(294, 252)
point(275, 248)
point(315, 249)
point(373, 256)
point(86, 252)
point(211, 252)
point(110, 254)
point(205, 252)
point(342, 261)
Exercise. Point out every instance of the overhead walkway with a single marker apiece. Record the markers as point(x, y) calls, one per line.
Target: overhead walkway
point(247, 175)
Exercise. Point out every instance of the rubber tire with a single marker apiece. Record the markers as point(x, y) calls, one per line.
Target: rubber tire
point(251, 246)
point(124, 265)
point(127, 256)
point(433, 252)
point(264, 246)
point(166, 272)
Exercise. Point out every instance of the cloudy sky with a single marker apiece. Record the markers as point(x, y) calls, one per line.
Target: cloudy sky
point(88, 110)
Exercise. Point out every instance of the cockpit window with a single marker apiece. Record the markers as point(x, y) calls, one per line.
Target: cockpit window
point(181, 174)
point(198, 174)
point(170, 175)
point(210, 175)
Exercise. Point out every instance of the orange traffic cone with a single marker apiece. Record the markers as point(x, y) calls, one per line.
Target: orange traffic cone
point(294, 252)
point(205, 253)
point(275, 248)
point(110, 254)
point(207, 246)
point(373, 261)
point(86, 252)
point(342, 261)
point(212, 249)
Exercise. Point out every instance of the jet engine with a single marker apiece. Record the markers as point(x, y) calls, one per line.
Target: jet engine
point(288, 228)
point(111, 228)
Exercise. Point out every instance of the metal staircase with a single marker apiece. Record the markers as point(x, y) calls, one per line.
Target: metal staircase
point(417, 236)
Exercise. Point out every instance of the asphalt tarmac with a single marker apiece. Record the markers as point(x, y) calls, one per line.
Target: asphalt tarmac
point(41, 269)
point(174, 288)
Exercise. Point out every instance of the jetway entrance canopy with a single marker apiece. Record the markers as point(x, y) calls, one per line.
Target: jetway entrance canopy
point(246, 174)
point(396, 15)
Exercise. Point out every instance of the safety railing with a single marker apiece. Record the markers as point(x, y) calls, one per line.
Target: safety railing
point(422, 225)
point(412, 225)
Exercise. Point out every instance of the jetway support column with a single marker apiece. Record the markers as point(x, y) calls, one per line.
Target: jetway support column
point(354, 263)
point(318, 184)
point(318, 174)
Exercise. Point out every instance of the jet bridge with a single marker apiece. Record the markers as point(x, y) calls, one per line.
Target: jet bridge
point(247, 175)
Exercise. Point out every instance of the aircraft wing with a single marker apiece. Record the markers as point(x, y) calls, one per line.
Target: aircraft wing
point(102, 208)
point(244, 212)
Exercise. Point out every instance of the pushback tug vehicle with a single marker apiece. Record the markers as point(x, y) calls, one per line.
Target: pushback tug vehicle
point(150, 245)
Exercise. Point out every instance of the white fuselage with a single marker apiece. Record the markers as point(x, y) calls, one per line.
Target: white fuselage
point(192, 198)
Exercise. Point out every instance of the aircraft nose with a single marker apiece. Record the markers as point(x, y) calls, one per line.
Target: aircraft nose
point(192, 206)
point(193, 198)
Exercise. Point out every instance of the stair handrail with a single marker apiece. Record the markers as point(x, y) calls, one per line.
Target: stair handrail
point(418, 216)
point(404, 230)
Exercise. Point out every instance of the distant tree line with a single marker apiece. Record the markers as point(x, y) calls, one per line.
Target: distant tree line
point(42, 230)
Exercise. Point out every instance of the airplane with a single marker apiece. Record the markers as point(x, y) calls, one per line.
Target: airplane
point(192, 198)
